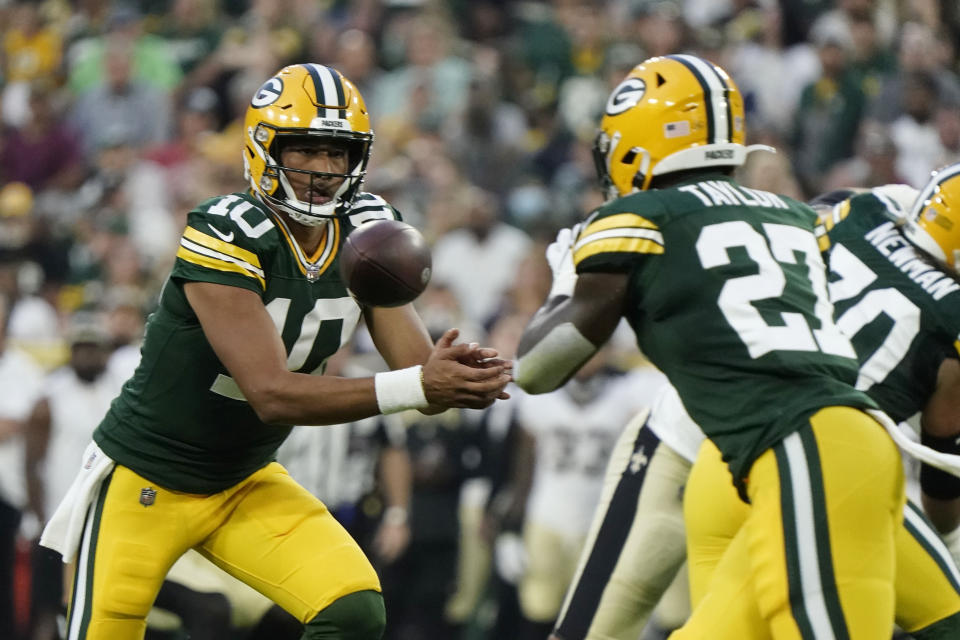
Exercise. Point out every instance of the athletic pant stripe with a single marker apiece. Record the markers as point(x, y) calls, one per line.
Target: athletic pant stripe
point(81, 600)
point(794, 587)
point(715, 93)
point(804, 515)
point(828, 580)
point(924, 533)
point(581, 606)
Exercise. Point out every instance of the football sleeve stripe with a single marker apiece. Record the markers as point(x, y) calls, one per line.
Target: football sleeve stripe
point(615, 221)
point(618, 241)
point(827, 220)
point(196, 255)
point(222, 247)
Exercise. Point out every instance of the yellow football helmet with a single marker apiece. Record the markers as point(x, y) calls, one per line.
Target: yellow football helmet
point(933, 223)
point(305, 100)
point(670, 113)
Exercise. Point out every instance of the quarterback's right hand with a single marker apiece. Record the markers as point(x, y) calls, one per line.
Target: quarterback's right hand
point(449, 383)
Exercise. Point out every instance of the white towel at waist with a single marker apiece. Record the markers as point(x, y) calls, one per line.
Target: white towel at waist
point(948, 462)
point(63, 531)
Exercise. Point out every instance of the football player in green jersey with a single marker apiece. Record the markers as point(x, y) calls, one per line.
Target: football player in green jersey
point(909, 241)
point(255, 305)
point(726, 290)
point(898, 299)
point(903, 319)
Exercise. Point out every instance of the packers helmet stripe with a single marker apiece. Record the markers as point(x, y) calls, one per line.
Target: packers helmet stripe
point(726, 100)
point(329, 91)
point(714, 88)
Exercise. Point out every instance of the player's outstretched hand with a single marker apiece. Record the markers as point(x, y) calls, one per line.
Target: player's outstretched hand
point(464, 375)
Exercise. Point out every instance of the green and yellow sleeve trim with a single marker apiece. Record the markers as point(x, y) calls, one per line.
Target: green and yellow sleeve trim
point(200, 249)
point(620, 233)
point(827, 220)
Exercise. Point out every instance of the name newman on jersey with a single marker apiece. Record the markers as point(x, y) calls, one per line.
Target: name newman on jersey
point(888, 241)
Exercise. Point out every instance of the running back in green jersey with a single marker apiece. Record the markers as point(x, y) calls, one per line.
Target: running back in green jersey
point(901, 310)
point(728, 297)
point(181, 420)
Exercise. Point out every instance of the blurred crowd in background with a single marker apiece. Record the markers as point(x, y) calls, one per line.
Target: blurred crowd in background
point(119, 117)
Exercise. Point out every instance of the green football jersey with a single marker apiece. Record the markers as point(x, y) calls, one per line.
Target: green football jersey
point(181, 421)
point(900, 309)
point(728, 297)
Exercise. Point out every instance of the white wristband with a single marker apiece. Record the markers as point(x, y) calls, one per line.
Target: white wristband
point(400, 390)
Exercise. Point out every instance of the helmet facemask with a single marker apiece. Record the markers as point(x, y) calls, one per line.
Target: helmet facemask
point(275, 183)
point(635, 165)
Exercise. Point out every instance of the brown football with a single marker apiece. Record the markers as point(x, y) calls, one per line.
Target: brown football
point(385, 263)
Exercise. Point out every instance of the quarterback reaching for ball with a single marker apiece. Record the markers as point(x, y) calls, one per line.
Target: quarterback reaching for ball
point(255, 305)
point(726, 291)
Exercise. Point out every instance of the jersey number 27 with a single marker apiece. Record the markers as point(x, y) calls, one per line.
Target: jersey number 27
point(778, 244)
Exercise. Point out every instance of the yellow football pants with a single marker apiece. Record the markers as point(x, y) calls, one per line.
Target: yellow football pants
point(814, 557)
point(266, 531)
point(713, 513)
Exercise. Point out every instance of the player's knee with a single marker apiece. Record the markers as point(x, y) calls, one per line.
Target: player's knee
point(357, 616)
point(934, 482)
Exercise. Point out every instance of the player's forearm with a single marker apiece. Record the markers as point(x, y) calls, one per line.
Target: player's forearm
point(551, 349)
point(566, 332)
point(399, 335)
point(396, 476)
point(296, 398)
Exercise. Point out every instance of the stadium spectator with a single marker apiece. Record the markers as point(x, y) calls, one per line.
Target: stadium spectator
point(121, 104)
point(32, 48)
point(43, 152)
point(149, 60)
point(482, 244)
point(914, 132)
point(829, 112)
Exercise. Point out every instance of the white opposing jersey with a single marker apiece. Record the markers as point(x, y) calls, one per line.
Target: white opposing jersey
point(573, 444)
point(76, 408)
point(671, 423)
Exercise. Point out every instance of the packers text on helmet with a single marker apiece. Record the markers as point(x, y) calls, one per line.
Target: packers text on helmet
point(305, 100)
point(669, 114)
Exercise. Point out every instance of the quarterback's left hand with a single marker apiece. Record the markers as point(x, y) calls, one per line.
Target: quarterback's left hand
point(560, 258)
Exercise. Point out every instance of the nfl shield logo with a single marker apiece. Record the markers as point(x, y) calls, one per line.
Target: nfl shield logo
point(148, 496)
